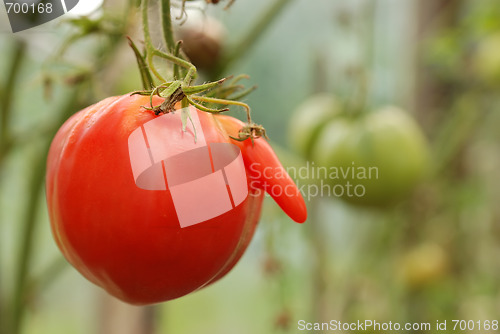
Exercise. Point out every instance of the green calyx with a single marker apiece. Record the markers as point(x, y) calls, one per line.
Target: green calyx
point(213, 97)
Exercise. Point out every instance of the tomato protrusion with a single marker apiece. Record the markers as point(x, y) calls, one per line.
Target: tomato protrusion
point(266, 171)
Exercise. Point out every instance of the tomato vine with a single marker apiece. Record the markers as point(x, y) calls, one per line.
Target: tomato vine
point(180, 89)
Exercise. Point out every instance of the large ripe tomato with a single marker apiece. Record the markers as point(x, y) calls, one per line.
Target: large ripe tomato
point(369, 159)
point(128, 240)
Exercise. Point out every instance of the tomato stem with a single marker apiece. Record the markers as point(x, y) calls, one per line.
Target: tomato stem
point(147, 40)
point(15, 310)
point(226, 102)
point(177, 53)
point(171, 54)
point(191, 69)
point(316, 236)
point(166, 20)
point(357, 104)
point(8, 91)
point(147, 79)
point(254, 33)
point(181, 89)
point(26, 246)
point(26, 243)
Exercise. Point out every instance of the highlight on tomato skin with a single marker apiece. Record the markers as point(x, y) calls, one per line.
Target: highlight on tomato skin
point(128, 240)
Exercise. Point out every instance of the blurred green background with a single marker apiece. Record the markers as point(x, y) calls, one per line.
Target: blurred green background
point(431, 256)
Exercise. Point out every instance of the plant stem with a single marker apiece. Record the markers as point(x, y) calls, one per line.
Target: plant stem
point(29, 223)
point(170, 55)
point(247, 42)
point(5, 135)
point(166, 20)
point(26, 244)
point(7, 97)
point(319, 271)
point(48, 276)
point(145, 24)
point(6, 102)
point(147, 79)
point(145, 27)
point(71, 103)
point(150, 49)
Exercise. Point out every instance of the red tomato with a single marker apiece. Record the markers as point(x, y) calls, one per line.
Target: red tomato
point(129, 240)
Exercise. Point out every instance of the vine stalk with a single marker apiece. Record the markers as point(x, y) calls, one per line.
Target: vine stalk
point(253, 34)
point(23, 284)
point(7, 96)
point(6, 100)
point(166, 19)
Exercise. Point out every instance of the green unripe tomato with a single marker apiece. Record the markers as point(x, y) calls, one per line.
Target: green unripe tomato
point(423, 265)
point(374, 158)
point(486, 60)
point(308, 119)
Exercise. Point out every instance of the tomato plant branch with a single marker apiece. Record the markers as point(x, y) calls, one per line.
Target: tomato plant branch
point(181, 88)
point(148, 42)
point(147, 80)
point(254, 33)
point(166, 20)
point(28, 226)
point(151, 51)
point(191, 73)
point(319, 272)
point(26, 244)
point(226, 102)
point(7, 97)
point(6, 141)
point(48, 276)
point(20, 292)
point(177, 53)
point(192, 101)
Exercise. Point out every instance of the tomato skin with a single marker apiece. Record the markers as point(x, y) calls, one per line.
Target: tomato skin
point(266, 172)
point(126, 239)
